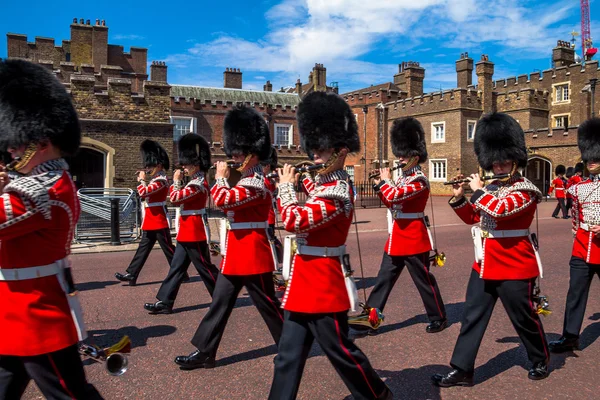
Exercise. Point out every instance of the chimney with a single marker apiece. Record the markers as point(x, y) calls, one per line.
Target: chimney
point(400, 79)
point(232, 78)
point(318, 77)
point(299, 87)
point(268, 87)
point(485, 72)
point(414, 75)
point(464, 71)
point(563, 54)
point(81, 43)
point(99, 45)
point(158, 71)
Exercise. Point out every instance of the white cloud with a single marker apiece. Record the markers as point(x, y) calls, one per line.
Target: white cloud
point(339, 33)
point(128, 37)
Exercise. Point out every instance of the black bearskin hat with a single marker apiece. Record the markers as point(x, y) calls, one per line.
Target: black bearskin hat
point(194, 150)
point(325, 121)
point(5, 157)
point(273, 159)
point(570, 172)
point(408, 139)
point(560, 169)
point(578, 167)
point(588, 140)
point(35, 107)
point(246, 131)
point(153, 154)
point(498, 137)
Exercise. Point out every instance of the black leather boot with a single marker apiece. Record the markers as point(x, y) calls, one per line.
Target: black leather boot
point(159, 308)
point(127, 277)
point(456, 377)
point(538, 371)
point(564, 344)
point(437, 326)
point(195, 360)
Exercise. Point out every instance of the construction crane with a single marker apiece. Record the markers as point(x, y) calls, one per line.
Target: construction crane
point(587, 47)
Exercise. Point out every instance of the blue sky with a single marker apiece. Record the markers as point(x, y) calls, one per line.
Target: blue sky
point(360, 42)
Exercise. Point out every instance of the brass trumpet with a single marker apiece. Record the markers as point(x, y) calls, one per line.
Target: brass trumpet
point(231, 164)
point(114, 358)
point(483, 178)
point(369, 317)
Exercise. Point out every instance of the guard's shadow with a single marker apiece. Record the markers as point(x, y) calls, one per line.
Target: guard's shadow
point(240, 302)
point(453, 313)
point(139, 337)
point(413, 383)
point(95, 285)
point(365, 283)
point(248, 355)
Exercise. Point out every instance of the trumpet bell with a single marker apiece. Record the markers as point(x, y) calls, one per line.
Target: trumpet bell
point(116, 364)
point(369, 317)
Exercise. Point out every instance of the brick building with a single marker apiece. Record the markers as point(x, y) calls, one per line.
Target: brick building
point(549, 105)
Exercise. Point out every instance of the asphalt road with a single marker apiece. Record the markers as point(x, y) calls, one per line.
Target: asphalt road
point(403, 353)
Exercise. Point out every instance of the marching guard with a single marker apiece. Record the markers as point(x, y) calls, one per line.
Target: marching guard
point(247, 260)
point(320, 288)
point(409, 241)
point(276, 246)
point(155, 225)
point(193, 234)
point(585, 257)
point(559, 185)
point(41, 321)
point(506, 260)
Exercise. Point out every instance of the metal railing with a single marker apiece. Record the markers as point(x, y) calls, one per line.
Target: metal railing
point(95, 223)
point(367, 198)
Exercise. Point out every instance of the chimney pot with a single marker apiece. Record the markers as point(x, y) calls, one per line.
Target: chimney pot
point(103, 23)
point(74, 20)
point(97, 22)
point(87, 22)
point(81, 21)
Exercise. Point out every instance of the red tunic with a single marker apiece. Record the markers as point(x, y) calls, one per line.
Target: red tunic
point(190, 198)
point(156, 191)
point(574, 180)
point(248, 251)
point(559, 184)
point(38, 215)
point(503, 207)
point(316, 284)
point(586, 210)
point(408, 195)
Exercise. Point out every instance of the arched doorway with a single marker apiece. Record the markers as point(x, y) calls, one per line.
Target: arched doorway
point(539, 171)
point(88, 168)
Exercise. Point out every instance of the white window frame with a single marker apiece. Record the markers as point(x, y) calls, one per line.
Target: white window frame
point(433, 138)
point(193, 125)
point(290, 139)
point(432, 177)
point(562, 100)
point(474, 122)
point(349, 168)
point(554, 117)
point(396, 172)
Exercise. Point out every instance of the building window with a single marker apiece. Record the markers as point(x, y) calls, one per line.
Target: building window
point(561, 121)
point(284, 134)
point(471, 130)
point(561, 93)
point(183, 126)
point(437, 170)
point(438, 132)
point(350, 171)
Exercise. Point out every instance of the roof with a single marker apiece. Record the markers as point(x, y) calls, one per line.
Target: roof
point(234, 95)
point(384, 86)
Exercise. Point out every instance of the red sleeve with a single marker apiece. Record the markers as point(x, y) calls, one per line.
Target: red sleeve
point(235, 198)
point(19, 217)
point(317, 214)
point(465, 210)
point(152, 188)
point(178, 195)
point(308, 185)
point(390, 193)
point(511, 206)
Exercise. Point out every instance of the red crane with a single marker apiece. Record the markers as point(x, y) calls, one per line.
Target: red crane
point(587, 47)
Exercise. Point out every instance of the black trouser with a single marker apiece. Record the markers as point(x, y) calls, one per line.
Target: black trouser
point(186, 252)
point(149, 238)
point(418, 267)
point(560, 207)
point(331, 332)
point(569, 204)
point(516, 297)
point(58, 375)
point(262, 292)
point(582, 274)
